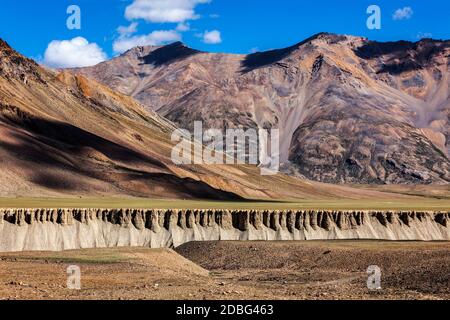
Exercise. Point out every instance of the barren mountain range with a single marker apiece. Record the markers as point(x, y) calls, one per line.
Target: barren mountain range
point(350, 110)
point(65, 135)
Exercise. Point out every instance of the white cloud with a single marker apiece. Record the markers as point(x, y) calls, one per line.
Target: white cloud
point(77, 52)
point(155, 38)
point(126, 31)
point(403, 13)
point(214, 16)
point(423, 35)
point(183, 27)
point(212, 37)
point(162, 11)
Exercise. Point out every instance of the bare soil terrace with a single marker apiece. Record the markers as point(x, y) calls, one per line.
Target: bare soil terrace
point(234, 270)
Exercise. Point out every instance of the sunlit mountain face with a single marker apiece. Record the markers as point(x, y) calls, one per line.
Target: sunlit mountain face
point(349, 110)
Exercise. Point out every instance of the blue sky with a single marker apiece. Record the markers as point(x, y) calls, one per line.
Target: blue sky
point(239, 26)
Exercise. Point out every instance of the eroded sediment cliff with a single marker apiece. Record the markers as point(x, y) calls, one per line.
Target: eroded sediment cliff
point(63, 229)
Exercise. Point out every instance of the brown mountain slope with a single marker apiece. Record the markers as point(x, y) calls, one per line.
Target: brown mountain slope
point(66, 135)
point(349, 110)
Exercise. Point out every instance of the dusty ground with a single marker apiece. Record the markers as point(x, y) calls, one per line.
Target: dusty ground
point(236, 270)
point(425, 201)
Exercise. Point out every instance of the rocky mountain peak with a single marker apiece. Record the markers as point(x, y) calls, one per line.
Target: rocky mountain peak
point(4, 45)
point(13, 65)
point(142, 51)
point(168, 54)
